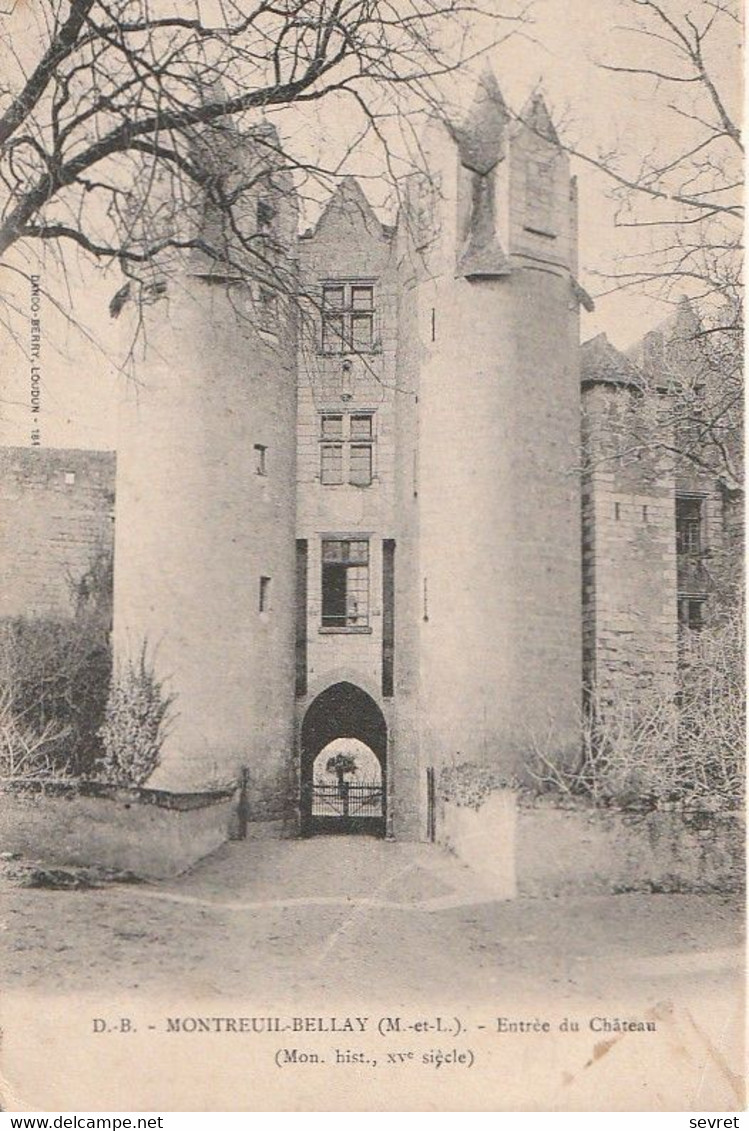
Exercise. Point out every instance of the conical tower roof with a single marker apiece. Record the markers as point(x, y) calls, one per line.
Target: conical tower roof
point(602, 363)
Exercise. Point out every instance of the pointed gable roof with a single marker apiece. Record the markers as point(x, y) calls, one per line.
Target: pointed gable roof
point(349, 198)
point(535, 115)
point(676, 331)
point(601, 363)
point(480, 136)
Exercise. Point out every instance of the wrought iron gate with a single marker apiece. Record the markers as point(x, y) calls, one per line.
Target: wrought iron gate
point(346, 807)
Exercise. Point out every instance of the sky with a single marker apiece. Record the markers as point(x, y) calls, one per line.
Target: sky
point(557, 53)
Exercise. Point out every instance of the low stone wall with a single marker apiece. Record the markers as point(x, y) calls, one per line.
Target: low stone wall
point(587, 849)
point(150, 833)
point(484, 839)
point(541, 847)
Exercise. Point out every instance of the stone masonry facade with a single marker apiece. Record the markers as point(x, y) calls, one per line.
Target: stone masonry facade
point(57, 510)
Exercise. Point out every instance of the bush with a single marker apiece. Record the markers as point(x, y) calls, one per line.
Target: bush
point(469, 784)
point(711, 735)
point(54, 677)
point(27, 753)
point(663, 748)
point(136, 723)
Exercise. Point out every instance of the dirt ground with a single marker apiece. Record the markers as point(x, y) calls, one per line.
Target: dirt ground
point(408, 917)
point(332, 925)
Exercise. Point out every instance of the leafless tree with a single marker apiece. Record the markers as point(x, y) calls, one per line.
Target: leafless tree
point(679, 209)
point(681, 201)
point(116, 112)
point(684, 413)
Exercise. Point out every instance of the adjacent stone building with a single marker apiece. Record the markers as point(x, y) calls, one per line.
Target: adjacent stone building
point(661, 532)
point(354, 507)
point(57, 515)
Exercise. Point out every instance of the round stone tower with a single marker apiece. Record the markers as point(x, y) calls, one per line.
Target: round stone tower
point(204, 557)
point(496, 302)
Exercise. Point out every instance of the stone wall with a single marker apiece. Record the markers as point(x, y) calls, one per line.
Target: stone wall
point(631, 570)
point(585, 850)
point(348, 244)
point(629, 547)
point(541, 848)
point(151, 834)
point(57, 510)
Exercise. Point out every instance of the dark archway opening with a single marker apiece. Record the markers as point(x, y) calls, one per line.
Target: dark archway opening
point(336, 798)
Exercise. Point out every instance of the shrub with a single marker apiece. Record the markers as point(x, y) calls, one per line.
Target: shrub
point(469, 784)
point(136, 723)
point(662, 748)
point(711, 733)
point(54, 677)
point(26, 752)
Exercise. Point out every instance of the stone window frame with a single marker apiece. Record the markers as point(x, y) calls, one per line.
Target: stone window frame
point(687, 545)
point(353, 562)
point(266, 214)
point(691, 547)
point(350, 311)
point(337, 448)
point(690, 611)
point(266, 300)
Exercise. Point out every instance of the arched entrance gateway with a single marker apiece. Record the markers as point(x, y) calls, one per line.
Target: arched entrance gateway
point(343, 771)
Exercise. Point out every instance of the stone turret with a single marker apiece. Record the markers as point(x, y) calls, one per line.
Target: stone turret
point(204, 571)
point(493, 298)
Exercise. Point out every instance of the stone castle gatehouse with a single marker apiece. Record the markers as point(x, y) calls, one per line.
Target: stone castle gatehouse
point(351, 518)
